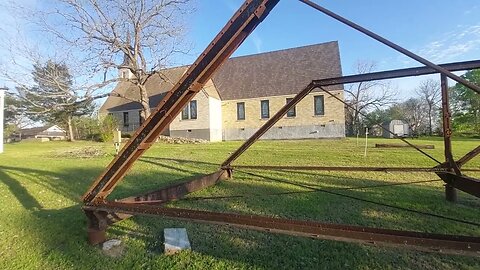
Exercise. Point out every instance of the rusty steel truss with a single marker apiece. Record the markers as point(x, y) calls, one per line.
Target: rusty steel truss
point(102, 213)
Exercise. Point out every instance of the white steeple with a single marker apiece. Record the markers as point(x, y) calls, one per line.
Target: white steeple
point(124, 71)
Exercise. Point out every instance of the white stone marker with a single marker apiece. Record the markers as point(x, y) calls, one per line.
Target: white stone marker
point(2, 107)
point(176, 239)
point(107, 245)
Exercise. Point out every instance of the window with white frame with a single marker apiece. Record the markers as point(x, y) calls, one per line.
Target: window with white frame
point(319, 105)
point(292, 112)
point(190, 111)
point(125, 119)
point(241, 111)
point(264, 109)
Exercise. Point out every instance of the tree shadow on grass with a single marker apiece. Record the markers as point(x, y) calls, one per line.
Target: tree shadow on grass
point(320, 207)
point(19, 191)
point(70, 183)
point(417, 196)
point(59, 235)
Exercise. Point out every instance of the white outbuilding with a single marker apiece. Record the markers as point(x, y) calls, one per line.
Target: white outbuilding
point(398, 127)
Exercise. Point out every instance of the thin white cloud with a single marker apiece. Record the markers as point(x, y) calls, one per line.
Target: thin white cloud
point(459, 45)
point(257, 42)
point(471, 10)
point(453, 45)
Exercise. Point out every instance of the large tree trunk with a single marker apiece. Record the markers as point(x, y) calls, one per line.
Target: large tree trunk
point(476, 122)
point(430, 131)
point(145, 102)
point(356, 121)
point(71, 138)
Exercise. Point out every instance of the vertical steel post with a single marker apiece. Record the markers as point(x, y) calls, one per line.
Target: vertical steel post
point(450, 191)
point(97, 226)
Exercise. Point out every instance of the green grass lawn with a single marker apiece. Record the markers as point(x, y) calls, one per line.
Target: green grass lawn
point(42, 225)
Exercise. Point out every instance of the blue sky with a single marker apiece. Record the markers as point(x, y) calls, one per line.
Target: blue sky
point(441, 30)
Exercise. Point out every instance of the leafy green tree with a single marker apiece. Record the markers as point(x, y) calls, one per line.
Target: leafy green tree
point(14, 115)
point(108, 124)
point(14, 110)
point(95, 128)
point(51, 98)
point(86, 127)
point(466, 105)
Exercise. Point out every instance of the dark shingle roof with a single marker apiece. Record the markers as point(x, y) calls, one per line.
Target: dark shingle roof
point(156, 86)
point(32, 131)
point(267, 74)
point(277, 73)
point(40, 131)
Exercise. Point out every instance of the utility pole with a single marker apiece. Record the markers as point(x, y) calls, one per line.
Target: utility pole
point(2, 108)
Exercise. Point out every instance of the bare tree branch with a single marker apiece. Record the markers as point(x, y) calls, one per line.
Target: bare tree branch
point(93, 36)
point(429, 92)
point(366, 96)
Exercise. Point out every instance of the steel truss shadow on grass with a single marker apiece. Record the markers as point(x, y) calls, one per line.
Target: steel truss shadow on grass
point(101, 213)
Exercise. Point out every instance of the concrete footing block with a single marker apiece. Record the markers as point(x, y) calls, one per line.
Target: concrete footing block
point(176, 239)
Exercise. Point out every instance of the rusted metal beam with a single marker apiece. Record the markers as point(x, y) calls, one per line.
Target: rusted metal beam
point(98, 221)
point(447, 126)
point(397, 73)
point(101, 213)
point(343, 80)
point(392, 45)
point(464, 183)
point(450, 192)
point(469, 156)
point(338, 232)
point(177, 191)
point(339, 168)
point(379, 125)
point(244, 21)
point(268, 124)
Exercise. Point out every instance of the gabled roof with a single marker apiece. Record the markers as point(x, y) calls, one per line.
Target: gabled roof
point(40, 131)
point(32, 131)
point(157, 86)
point(277, 73)
point(283, 72)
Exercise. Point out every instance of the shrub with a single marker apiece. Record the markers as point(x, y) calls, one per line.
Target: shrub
point(108, 124)
point(126, 135)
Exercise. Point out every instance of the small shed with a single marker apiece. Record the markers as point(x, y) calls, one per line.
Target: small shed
point(398, 127)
